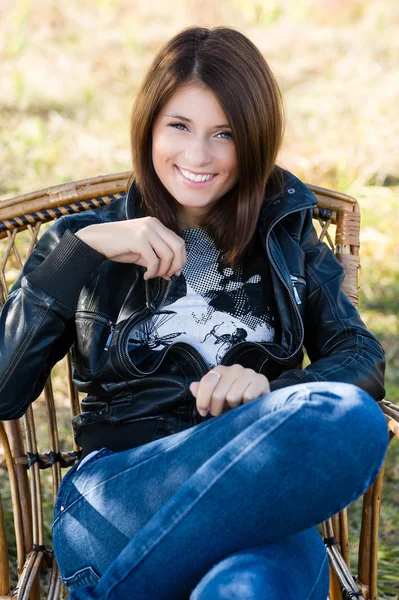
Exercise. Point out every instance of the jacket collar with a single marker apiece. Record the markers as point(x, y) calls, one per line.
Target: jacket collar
point(295, 196)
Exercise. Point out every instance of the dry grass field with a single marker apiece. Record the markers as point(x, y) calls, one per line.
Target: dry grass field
point(70, 70)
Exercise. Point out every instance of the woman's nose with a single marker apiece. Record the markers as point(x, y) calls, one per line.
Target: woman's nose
point(197, 153)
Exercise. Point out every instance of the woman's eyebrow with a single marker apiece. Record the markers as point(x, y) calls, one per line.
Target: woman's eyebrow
point(189, 121)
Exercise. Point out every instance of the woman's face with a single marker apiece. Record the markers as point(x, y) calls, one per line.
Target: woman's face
point(192, 134)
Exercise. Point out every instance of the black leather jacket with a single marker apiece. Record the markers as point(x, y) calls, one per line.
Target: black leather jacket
point(70, 295)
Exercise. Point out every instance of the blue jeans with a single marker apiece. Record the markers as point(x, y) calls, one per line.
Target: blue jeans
point(225, 509)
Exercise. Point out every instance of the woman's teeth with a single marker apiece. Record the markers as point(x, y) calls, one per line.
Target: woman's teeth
point(193, 177)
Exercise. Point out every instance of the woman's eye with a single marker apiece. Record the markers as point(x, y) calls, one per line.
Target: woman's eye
point(226, 133)
point(176, 125)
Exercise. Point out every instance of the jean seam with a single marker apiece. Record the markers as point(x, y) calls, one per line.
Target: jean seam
point(63, 488)
point(317, 578)
point(63, 498)
point(66, 580)
point(146, 550)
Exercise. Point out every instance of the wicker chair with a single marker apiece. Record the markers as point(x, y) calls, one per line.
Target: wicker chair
point(28, 561)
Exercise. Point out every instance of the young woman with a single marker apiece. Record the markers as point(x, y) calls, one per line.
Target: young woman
point(209, 456)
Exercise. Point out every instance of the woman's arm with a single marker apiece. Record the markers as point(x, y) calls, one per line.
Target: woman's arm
point(337, 341)
point(37, 324)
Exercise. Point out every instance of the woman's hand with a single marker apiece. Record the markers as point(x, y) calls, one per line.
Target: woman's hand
point(236, 385)
point(144, 241)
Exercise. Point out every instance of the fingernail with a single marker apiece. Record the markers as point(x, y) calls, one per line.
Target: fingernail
point(203, 412)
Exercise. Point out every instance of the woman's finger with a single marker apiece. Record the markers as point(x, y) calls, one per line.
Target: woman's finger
point(245, 388)
point(208, 399)
point(224, 388)
point(258, 387)
point(212, 396)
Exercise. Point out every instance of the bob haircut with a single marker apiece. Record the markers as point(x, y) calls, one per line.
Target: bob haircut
point(226, 62)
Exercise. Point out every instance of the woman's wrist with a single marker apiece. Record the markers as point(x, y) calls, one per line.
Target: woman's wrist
point(86, 236)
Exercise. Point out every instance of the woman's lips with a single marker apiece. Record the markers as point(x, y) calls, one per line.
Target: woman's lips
point(194, 184)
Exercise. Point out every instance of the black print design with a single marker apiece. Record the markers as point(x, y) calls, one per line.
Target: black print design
point(200, 299)
point(146, 334)
point(230, 340)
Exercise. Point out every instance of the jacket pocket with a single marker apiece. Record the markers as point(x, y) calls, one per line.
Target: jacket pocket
point(165, 427)
point(93, 333)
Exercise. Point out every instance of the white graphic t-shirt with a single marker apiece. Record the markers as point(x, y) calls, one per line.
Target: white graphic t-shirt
point(209, 306)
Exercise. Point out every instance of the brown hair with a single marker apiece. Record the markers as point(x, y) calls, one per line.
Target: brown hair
point(232, 67)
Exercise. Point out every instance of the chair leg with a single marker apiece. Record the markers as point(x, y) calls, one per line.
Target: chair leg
point(342, 582)
point(368, 546)
point(335, 589)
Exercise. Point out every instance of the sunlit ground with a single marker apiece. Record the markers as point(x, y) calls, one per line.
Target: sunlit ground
point(69, 72)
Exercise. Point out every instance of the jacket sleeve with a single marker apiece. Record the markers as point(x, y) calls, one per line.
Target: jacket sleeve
point(339, 345)
point(37, 321)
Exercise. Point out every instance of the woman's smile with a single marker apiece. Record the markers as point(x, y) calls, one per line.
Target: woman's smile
point(191, 181)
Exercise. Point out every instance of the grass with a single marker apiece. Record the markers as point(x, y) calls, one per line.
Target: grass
point(69, 72)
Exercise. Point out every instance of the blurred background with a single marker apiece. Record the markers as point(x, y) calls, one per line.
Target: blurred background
point(69, 72)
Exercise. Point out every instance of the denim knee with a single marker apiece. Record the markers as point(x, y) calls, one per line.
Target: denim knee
point(357, 422)
point(342, 416)
point(361, 414)
point(347, 403)
point(251, 576)
point(233, 578)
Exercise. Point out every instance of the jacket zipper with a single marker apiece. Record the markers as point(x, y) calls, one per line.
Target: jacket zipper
point(95, 316)
point(149, 308)
point(100, 319)
point(247, 344)
point(293, 300)
point(109, 338)
point(296, 280)
point(143, 315)
point(195, 355)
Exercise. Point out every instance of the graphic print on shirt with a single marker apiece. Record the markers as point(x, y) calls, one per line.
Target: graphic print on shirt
point(209, 306)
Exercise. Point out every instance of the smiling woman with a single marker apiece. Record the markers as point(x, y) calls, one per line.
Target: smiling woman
point(216, 109)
